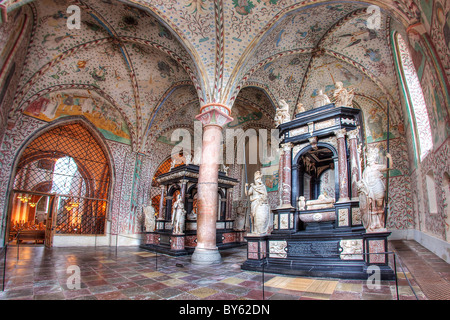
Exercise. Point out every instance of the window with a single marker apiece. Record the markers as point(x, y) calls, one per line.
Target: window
point(65, 169)
point(415, 100)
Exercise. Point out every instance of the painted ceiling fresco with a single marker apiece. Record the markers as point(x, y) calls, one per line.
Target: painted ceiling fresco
point(154, 62)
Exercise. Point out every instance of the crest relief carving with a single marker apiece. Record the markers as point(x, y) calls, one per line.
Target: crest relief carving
point(277, 249)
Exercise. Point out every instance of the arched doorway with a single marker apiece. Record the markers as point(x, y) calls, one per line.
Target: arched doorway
point(61, 186)
point(315, 173)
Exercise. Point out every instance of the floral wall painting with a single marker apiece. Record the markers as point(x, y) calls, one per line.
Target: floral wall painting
point(73, 103)
point(12, 30)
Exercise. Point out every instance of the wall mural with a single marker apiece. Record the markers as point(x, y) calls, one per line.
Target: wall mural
point(440, 32)
point(73, 103)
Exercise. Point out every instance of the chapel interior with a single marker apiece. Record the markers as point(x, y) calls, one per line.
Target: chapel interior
point(309, 133)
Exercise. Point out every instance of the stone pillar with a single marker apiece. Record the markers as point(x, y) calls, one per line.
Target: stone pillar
point(286, 173)
point(342, 164)
point(183, 189)
point(280, 177)
point(355, 164)
point(161, 203)
point(214, 117)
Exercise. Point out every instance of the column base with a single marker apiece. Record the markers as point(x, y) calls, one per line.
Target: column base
point(206, 256)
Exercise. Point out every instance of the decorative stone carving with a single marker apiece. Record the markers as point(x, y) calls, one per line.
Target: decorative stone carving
point(356, 216)
point(318, 217)
point(352, 249)
point(321, 99)
point(282, 115)
point(260, 210)
point(343, 98)
point(150, 218)
point(343, 218)
point(178, 217)
point(372, 192)
point(277, 249)
point(313, 142)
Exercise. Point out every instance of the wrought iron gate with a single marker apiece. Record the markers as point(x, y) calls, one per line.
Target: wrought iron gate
point(68, 163)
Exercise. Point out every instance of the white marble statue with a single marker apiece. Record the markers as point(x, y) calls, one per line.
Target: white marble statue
point(323, 201)
point(239, 222)
point(178, 216)
point(187, 159)
point(343, 97)
point(301, 203)
point(172, 164)
point(260, 215)
point(224, 168)
point(193, 214)
point(321, 99)
point(149, 218)
point(372, 193)
point(282, 115)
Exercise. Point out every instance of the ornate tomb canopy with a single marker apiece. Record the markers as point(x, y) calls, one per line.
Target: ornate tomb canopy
point(317, 228)
point(190, 173)
point(176, 226)
point(319, 122)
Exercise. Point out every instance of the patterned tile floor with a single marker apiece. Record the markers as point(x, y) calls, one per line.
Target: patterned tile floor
point(132, 274)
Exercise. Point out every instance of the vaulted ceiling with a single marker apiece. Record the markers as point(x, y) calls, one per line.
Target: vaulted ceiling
point(153, 63)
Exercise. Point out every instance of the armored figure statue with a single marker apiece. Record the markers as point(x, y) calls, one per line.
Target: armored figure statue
point(282, 114)
point(343, 98)
point(260, 215)
point(149, 216)
point(372, 193)
point(178, 216)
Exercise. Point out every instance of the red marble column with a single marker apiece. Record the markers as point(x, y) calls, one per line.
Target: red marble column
point(183, 189)
point(286, 172)
point(355, 165)
point(161, 204)
point(280, 177)
point(213, 117)
point(342, 164)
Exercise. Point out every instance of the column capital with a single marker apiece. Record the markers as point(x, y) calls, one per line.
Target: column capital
point(340, 133)
point(313, 142)
point(353, 134)
point(287, 146)
point(214, 114)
